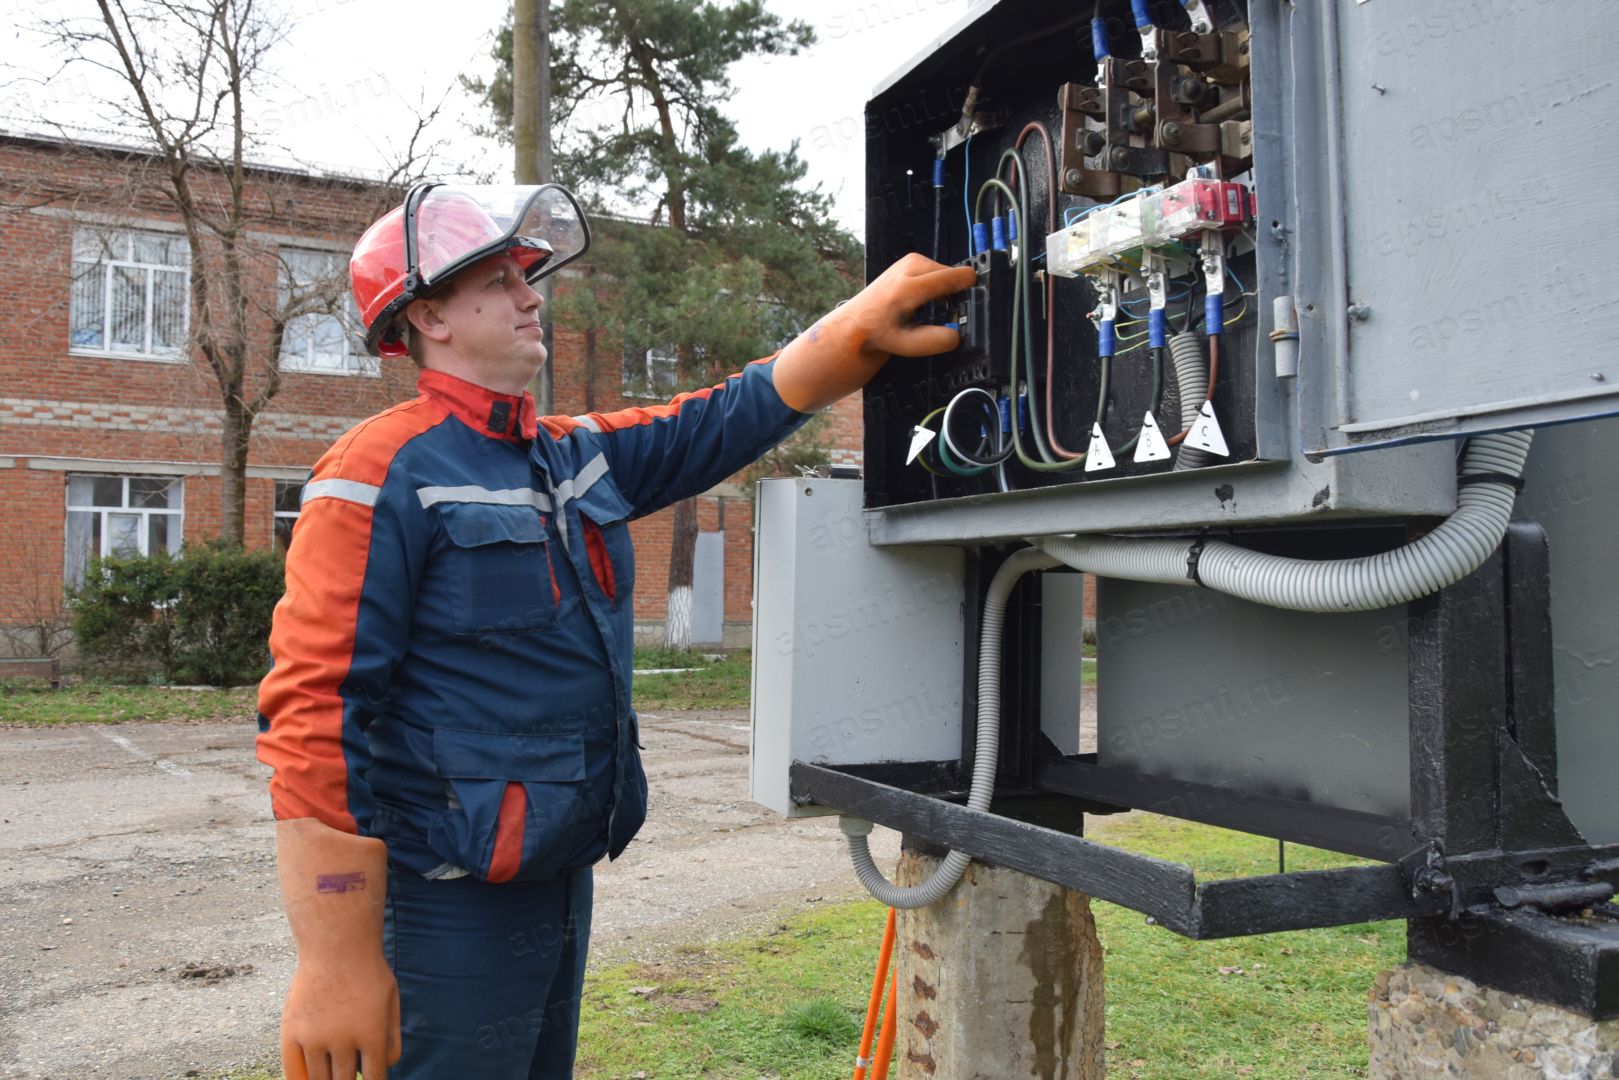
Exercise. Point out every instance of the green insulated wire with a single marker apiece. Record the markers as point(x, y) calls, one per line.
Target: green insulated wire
point(1157, 360)
point(1022, 331)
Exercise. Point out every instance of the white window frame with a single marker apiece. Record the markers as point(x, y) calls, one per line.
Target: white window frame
point(277, 515)
point(93, 245)
point(74, 562)
point(356, 361)
point(656, 360)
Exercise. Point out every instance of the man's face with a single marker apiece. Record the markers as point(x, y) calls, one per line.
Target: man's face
point(493, 317)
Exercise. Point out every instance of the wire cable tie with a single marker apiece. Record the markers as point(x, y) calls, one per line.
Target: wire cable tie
point(1193, 554)
point(1514, 482)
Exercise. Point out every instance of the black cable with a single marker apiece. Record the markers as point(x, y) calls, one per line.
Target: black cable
point(990, 57)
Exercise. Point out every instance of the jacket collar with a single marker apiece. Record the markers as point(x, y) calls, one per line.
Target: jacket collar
point(499, 416)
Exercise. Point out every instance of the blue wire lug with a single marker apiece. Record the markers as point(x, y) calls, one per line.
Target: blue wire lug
point(1143, 16)
point(1099, 39)
point(1157, 328)
point(1213, 314)
point(997, 226)
point(1104, 338)
point(980, 237)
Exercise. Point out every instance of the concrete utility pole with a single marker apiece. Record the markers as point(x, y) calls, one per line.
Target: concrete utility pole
point(1003, 978)
point(531, 136)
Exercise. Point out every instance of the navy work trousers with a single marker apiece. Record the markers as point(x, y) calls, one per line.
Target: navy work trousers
point(489, 976)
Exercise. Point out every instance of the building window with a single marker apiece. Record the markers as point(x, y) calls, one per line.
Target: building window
point(121, 515)
point(651, 373)
point(288, 494)
point(130, 292)
point(323, 325)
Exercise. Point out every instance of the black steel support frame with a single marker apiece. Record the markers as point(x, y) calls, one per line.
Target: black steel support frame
point(1486, 849)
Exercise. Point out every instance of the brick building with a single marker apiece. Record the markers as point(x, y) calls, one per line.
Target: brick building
point(110, 429)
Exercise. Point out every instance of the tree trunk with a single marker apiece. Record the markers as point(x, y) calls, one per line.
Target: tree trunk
point(236, 432)
point(531, 140)
point(682, 556)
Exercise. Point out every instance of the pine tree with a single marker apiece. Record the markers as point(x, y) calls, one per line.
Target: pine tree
point(721, 253)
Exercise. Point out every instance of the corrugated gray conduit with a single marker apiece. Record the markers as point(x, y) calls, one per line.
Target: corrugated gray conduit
point(1455, 548)
point(1191, 388)
point(987, 752)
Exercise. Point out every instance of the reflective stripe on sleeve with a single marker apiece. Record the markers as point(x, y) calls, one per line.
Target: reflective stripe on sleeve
point(348, 490)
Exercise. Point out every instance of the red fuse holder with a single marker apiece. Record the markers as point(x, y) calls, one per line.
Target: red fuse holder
point(1197, 205)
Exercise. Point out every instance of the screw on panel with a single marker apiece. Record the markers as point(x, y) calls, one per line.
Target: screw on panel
point(1380, 89)
point(1597, 376)
point(1359, 312)
point(1072, 177)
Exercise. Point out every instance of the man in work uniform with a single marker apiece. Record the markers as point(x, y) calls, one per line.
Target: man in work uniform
point(449, 714)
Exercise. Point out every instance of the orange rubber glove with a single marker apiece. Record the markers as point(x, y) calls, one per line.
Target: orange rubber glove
point(342, 1010)
point(841, 352)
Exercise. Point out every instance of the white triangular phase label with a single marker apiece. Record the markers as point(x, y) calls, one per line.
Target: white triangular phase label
point(1099, 456)
point(920, 437)
point(1150, 446)
point(1205, 433)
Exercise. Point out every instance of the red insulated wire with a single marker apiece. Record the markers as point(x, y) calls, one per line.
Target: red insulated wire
point(1051, 284)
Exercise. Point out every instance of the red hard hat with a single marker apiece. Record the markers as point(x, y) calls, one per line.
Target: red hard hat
point(417, 247)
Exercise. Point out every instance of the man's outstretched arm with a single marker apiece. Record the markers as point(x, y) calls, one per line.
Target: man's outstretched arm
point(845, 349)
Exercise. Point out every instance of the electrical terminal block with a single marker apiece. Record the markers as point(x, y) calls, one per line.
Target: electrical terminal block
point(1121, 233)
point(1108, 236)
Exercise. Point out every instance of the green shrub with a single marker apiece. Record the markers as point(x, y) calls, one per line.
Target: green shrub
point(123, 617)
point(200, 617)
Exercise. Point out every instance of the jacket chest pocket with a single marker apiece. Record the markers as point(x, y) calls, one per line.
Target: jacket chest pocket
point(498, 568)
point(604, 515)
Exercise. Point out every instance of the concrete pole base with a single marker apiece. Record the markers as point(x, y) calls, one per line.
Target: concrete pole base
point(1001, 979)
point(1426, 1023)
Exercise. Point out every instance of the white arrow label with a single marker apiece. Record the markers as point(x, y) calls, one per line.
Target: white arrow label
point(1151, 446)
point(920, 437)
point(1099, 456)
point(1205, 433)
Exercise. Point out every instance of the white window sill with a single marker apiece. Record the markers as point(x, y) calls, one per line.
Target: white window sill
point(290, 369)
point(108, 354)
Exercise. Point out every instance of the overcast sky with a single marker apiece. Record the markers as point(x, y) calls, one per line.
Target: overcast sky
point(349, 71)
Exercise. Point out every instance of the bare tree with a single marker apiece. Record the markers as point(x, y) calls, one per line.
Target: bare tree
point(32, 588)
point(189, 71)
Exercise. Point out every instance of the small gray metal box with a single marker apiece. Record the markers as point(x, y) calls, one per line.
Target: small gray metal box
point(857, 651)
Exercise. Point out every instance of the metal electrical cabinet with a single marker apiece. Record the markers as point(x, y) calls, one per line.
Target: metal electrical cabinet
point(1343, 235)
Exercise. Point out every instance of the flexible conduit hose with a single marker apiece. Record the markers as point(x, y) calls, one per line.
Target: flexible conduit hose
point(1192, 384)
point(1455, 548)
point(987, 752)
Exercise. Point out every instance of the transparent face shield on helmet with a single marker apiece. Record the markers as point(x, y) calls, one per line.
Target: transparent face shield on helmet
point(448, 228)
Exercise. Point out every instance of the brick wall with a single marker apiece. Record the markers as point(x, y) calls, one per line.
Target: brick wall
point(62, 412)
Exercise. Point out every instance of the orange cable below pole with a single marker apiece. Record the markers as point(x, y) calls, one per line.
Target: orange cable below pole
point(863, 1055)
point(885, 1041)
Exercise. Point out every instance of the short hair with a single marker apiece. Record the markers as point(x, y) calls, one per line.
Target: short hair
point(413, 343)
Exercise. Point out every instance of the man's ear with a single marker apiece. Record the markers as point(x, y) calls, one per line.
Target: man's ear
point(426, 319)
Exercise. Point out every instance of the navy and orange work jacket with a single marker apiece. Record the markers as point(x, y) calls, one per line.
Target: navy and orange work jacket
point(452, 658)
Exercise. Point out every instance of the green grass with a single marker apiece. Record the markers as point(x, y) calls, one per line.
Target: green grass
point(1274, 1008)
point(786, 1006)
point(713, 684)
point(1278, 1006)
point(32, 703)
